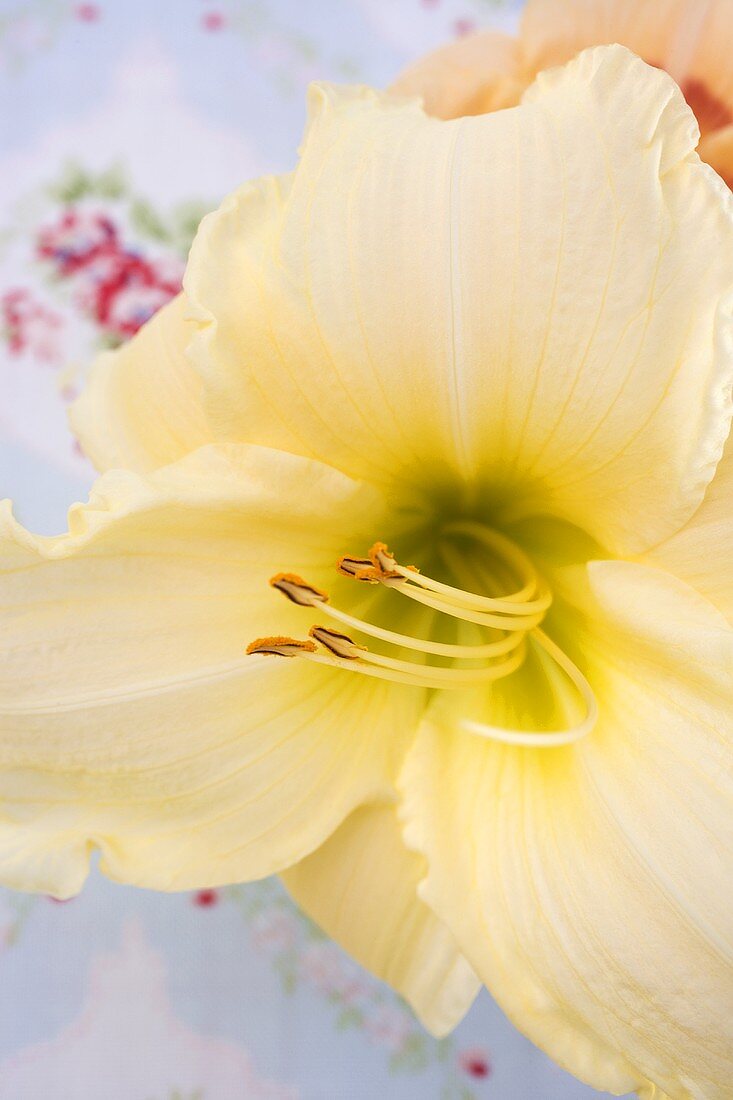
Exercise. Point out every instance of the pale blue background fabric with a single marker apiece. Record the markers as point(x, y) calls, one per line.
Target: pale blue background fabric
point(139, 116)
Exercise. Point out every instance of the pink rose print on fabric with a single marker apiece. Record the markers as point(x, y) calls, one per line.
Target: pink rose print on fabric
point(29, 327)
point(206, 899)
point(304, 959)
point(127, 1044)
point(475, 1062)
point(87, 13)
point(213, 21)
point(115, 285)
point(391, 1026)
point(330, 971)
point(274, 930)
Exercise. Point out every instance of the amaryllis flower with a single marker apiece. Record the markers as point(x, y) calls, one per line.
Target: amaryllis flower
point(691, 39)
point(485, 366)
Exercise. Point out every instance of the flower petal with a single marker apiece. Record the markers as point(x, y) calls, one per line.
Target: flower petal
point(701, 552)
point(474, 74)
point(360, 887)
point(591, 896)
point(142, 405)
point(561, 332)
point(130, 718)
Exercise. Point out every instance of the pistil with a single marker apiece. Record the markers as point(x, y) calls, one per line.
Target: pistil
point(543, 738)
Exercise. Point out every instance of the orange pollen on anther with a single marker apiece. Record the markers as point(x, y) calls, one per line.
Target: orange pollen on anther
point(384, 560)
point(297, 590)
point(280, 646)
point(359, 569)
point(341, 645)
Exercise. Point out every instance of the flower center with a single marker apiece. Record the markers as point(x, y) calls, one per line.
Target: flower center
point(505, 627)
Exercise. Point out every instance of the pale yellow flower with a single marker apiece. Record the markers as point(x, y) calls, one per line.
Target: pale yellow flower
point(503, 346)
point(691, 39)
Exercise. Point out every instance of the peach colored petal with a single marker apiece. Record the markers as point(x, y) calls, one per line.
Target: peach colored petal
point(474, 75)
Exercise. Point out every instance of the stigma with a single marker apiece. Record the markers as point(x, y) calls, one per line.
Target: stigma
point(508, 625)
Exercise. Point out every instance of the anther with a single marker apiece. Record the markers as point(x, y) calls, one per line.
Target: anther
point(280, 647)
point(297, 590)
point(379, 567)
point(341, 645)
point(359, 569)
point(384, 560)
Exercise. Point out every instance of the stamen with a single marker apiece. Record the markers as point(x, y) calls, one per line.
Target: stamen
point(457, 611)
point(515, 617)
point(297, 590)
point(382, 559)
point(417, 675)
point(309, 596)
point(504, 549)
point(447, 677)
point(516, 604)
point(341, 645)
point(280, 646)
point(367, 670)
point(358, 569)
